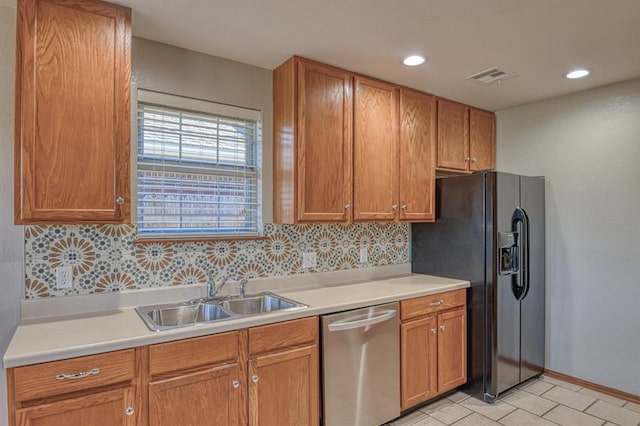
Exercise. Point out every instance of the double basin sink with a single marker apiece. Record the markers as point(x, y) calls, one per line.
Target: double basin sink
point(206, 311)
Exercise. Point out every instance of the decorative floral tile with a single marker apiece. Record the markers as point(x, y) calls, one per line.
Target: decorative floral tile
point(105, 258)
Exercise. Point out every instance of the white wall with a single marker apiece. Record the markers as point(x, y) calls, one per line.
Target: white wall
point(588, 146)
point(11, 236)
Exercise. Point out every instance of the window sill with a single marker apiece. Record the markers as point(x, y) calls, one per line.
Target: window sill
point(197, 239)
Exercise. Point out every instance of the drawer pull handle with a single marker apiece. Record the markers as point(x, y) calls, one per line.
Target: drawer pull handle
point(129, 411)
point(80, 375)
point(438, 303)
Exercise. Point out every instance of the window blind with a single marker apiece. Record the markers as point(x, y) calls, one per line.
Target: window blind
point(197, 172)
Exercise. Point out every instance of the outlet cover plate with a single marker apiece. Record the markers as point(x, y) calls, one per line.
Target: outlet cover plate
point(64, 277)
point(309, 260)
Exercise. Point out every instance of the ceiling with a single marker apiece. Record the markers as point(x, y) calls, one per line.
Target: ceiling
point(538, 39)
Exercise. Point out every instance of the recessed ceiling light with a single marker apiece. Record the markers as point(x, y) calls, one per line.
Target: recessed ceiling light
point(414, 60)
point(577, 73)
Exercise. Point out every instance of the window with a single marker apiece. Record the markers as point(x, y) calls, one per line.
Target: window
point(197, 168)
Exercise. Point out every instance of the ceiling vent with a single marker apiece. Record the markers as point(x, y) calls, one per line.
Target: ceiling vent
point(492, 75)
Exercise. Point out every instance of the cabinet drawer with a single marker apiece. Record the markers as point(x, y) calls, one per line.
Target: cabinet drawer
point(192, 353)
point(420, 306)
point(70, 375)
point(283, 335)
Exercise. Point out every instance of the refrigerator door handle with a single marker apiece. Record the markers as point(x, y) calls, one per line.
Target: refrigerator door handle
point(520, 218)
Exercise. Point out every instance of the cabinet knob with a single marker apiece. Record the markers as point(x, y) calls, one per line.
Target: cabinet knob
point(347, 206)
point(442, 327)
point(433, 330)
point(254, 379)
point(129, 411)
point(120, 200)
point(467, 158)
point(403, 207)
point(394, 207)
point(235, 384)
point(475, 159)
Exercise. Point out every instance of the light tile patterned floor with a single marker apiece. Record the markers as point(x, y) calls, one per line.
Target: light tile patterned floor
point(544, 401)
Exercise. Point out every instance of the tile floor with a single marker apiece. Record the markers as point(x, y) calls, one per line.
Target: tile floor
point(541, 402)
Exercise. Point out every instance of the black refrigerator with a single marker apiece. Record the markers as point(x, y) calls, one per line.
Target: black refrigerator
point(489, 230)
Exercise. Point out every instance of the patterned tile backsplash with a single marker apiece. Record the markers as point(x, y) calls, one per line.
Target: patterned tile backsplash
point(104, 258)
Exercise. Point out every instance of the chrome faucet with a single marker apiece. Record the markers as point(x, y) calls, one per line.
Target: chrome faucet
point(242, 285)
point(213, 289)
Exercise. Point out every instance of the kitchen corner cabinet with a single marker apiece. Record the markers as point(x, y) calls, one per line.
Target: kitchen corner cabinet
point(375, 150)
point(312, 142)
point(433, 348)
point(466, 138)
point(91, 390)
point(72, 130)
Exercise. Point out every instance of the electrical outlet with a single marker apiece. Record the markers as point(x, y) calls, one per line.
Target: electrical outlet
point(64, 277)
point(364, 255)
point(309, 260)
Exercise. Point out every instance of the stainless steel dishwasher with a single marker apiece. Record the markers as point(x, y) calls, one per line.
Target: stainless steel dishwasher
point(361, 366)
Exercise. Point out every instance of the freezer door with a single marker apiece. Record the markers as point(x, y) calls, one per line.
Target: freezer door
point(532, 340)
point(503, 321)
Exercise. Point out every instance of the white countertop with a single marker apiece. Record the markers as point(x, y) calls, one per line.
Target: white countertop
point(60, 337)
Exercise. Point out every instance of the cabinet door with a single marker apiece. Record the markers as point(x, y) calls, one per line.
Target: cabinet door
point(283, 388)
point(417, 156)
point(209, 397)
point(375, 150)
point(115, 407)
point(453, 135)
point(418, 361)
point(452, 349)
point(482, 140)
point(325, 104)
point(72, 112)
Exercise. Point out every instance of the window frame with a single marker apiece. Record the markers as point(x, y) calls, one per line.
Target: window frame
point(204, 107)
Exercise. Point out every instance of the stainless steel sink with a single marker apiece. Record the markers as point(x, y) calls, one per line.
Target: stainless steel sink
point(204, 311)
point(259, 304)
point(162, 317)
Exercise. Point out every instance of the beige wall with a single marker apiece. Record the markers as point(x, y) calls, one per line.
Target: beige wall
point(168, 69)
point(11, 236)
point(588, 147)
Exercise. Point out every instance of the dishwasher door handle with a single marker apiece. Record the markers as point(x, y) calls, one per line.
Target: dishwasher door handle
point(350, 325)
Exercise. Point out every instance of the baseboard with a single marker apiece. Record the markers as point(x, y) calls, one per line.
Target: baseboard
point(593, 386)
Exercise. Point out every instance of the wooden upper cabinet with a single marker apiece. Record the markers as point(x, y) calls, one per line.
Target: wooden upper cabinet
point(482, 147)
point(375, 150)
point(466, 138)
point(312, 153)
point(72, 112)
point(417, 156)
point(453, 135)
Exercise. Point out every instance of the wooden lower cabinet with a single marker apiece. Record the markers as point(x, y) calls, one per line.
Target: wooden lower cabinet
point(419, 361)
point(433, 351)
point(452, 349)
point(208, 397)
point(283, 388)
point(114, 407)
